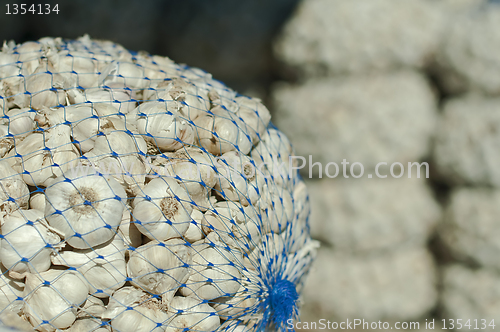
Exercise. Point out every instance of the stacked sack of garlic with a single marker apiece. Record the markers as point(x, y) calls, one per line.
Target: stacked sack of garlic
point(142, 195)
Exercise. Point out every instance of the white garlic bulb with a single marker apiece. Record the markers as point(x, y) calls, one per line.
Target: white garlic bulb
point(194, 101)
point(84, 121)
point(11, 292)
point(255, 115)
point(195, 232)
point(213, 272)
point(43, 156)
point(157, 67)
point(86, 209)
point(237, 305)
point(128, 231)
point(103, 266)
point(37, 201)
point(15, 322)
point(239, 227)
point(123, 74)
point(14, 193)
point(148, 313)
point(75, 66)
point(162, 211)
point(29, 54)
point(160, 267)
point(27, 242)
point(191, 314)
point(260, 257)
point(116, 154)
point(272, 156)
point(240, 180)
point(20, 121)
point(120, 99)
point(6, 141)
point(45, 89)
point(53, 296)
point(9, 75)
point(217, 90)
point(236, 325)
point(162, 124)
point(88, 318)
point(193, 168)
point(87, 324)
point(222, 131)
point(93, 307)
point(276, 206)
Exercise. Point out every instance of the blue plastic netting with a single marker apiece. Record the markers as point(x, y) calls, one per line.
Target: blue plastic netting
point(142, 195)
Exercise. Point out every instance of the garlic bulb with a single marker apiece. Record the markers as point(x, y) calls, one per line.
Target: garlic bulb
point(148, 313)
point(87, 324)
point(269, 253)
point(238, 305)
point(29, 54)
point(118, 98)
point(123, 74)
point(276, 205)
point(157, 67)
point(102, 266)
point(65, 291)
point(222, 131)
point(272, 156)
point(93, 307)
point(236, 325)
point(255, 115)
point(128, 231)
point(27, 242)
point(43, 156)
point(238, 227)
point(86, 209)
point(191, 314)
point(20, 121)
point(225, 99)
point(160, 267)
point(88, 318)
point(85, 121)
point(213, 272)
point(9, 76)
point(193, 168)
point(14, 193)
point(194, 232)
point(6, 141)
point(162, 124)
point(11, 292)
point(14, 322)
point(76, 67)
point(116, 154)
point(162, 211)
point(193, 101)
point(239, 179)
point(37, 201)
point(45, 89)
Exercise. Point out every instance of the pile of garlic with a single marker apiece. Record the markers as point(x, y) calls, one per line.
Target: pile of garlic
point(138, 194)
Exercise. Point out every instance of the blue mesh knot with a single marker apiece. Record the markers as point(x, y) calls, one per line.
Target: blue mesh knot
point(281, 304)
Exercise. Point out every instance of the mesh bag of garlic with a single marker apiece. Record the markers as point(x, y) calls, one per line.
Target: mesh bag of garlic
point(142, 195)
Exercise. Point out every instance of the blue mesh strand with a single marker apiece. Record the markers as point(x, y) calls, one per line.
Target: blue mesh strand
point(159, 194)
